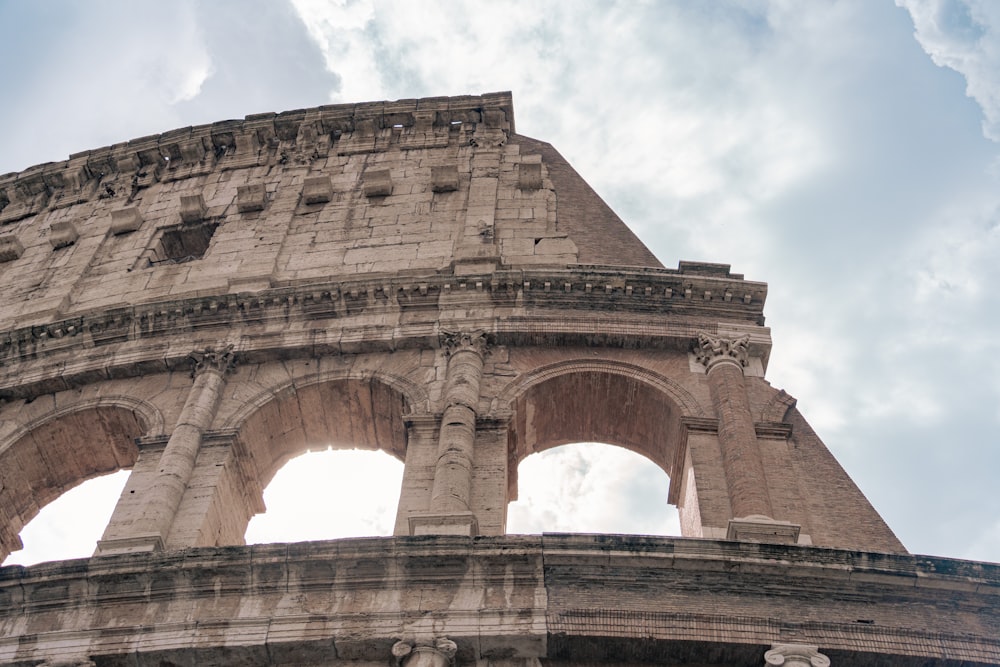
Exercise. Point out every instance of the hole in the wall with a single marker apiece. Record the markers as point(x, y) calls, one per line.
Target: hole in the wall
point(591, 488)
point(69, 526)
point(182, 243)
point(327, 494)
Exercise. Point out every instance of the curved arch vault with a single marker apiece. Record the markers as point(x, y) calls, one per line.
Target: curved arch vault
point(418, 278)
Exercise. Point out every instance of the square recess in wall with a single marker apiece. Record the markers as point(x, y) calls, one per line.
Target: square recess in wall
point(181, 243)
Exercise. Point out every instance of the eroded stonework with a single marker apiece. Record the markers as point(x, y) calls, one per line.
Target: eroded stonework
point(414, 276)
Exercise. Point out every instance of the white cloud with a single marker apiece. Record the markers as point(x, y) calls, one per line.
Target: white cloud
point(339, 28)
point(591, 488)
point(327, 494)
point(70, 525)
point(964, 35)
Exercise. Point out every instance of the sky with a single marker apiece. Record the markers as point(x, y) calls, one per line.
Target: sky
point(846, 153)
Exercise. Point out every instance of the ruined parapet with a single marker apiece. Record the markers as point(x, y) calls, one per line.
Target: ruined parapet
point(414, 277)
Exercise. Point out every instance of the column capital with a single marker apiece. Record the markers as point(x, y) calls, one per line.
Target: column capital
point(220, 359)
point(796, 655)
point(475, 341)
point(711, 350)
point(437, 653)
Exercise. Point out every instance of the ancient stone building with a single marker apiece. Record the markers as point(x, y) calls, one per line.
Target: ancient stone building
point(416, 277)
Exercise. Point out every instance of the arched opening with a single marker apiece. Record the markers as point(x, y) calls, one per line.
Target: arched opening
point(327, 494)
point(591, 488)
point(57, 455)
point(70, 526)
point(356, 418)
point(609, 404)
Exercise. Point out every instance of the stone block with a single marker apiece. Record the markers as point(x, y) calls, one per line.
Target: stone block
point(377, 183)
point(193, 208)
point(317, 190)
point(762, 529)
point(529, 176)
point(125, 220)
point(250, 198)
point(444, 178)
point(449, 523)
point(10, 248)
point(62, 234)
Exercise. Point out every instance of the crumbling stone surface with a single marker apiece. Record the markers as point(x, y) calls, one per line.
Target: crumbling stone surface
point(569, 599)
point(203, 305)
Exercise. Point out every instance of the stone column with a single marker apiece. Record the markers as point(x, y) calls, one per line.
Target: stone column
point(724, 359)
point(796, 655)
point(149, 530)
point(450, 509)
point(439, 654)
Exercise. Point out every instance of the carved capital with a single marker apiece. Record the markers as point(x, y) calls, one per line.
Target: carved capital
point(796, 655)
point(220, 359)
point(439, 653)
point(711, 350)
point(476, 341)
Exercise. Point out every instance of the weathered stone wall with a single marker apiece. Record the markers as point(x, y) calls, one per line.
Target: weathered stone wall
point(572, 600)
point(201, 306)
point(408, 276)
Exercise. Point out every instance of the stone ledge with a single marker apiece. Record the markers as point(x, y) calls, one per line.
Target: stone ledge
point(548, 596)
point(232, 144)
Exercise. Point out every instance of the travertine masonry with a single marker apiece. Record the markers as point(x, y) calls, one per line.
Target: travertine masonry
point(203, 305)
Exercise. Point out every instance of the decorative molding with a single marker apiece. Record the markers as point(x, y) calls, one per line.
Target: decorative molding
point(219, 359)
point(476, 341)
point(440, 653)
point(711, 350)
point(90, 336)
point(796, 655)
point(296, 137)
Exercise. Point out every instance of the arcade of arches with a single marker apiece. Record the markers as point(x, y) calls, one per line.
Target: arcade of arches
point(453, 415)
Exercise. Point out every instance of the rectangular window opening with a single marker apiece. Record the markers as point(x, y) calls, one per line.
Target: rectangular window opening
point(183, 243)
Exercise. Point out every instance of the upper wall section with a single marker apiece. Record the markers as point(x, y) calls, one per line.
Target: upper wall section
point(419, 187)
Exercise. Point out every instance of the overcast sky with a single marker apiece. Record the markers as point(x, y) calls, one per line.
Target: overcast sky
point(845, 153)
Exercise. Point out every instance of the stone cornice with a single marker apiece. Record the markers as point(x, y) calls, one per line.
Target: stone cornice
point(329, 318)
point(578, 571)
point(298, 136)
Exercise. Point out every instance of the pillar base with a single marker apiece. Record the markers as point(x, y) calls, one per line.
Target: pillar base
point(757, 528)
point(130, 545)
point(445, 523)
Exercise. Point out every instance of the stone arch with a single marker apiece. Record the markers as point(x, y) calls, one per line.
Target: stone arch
point(597, 400)
point(678, 394)
point(50, 455)
point(361, 410)
point(776, 408)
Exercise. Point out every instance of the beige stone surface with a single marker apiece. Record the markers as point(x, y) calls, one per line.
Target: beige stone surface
point(203, 305)
point(569, 600)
